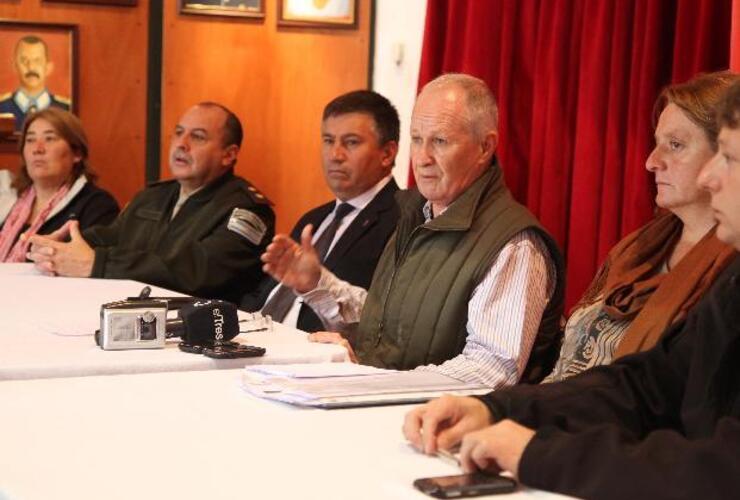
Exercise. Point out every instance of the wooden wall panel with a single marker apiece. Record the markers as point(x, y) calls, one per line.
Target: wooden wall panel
point(112, 84)
point(277, 80)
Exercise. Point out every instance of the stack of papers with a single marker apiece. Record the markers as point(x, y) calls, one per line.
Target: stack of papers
point(342, 385)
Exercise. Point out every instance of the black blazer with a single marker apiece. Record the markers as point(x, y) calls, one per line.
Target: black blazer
point(353, 257)
point(90, 206)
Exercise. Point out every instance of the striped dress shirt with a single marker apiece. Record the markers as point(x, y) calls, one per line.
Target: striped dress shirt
point(504, 312)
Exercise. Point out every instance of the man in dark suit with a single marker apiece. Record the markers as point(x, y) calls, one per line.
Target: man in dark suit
point(359, 133)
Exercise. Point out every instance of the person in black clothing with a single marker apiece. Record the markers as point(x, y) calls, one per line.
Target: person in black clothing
point(664, 423)
point(359, 135)
point(200, 234)
point(54, 184)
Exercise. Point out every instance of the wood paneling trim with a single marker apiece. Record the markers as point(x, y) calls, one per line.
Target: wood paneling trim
point(277, 80)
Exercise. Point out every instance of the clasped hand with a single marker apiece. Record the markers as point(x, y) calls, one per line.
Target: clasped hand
point(53, 256)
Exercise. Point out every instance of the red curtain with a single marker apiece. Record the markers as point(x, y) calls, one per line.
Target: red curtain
point(576, 81)
point(735, 37)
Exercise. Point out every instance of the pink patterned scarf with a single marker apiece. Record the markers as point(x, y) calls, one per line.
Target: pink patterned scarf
point(12, 248)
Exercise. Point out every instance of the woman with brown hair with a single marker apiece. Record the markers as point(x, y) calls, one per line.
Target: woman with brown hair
point(54, 184)
point(654, 275)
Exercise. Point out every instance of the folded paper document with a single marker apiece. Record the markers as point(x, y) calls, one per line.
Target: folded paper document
point(341, 385)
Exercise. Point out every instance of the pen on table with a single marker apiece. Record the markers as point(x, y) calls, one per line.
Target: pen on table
point(448, 457)
point(445, 455)
point(261, 329)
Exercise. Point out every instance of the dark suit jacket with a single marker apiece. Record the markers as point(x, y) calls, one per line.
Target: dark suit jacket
point(354, 256)
point(8, 105)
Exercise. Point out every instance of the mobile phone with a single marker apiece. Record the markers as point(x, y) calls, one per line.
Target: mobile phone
point(465, 485)
point(232, 351)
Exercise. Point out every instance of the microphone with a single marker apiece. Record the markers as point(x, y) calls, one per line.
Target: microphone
point(204, 322)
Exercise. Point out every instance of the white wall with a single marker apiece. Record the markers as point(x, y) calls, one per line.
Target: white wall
point(399, 31)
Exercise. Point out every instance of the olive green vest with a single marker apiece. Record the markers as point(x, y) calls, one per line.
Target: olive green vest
point(416, 310)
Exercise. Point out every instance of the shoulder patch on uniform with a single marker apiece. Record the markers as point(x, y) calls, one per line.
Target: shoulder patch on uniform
point(247, 224)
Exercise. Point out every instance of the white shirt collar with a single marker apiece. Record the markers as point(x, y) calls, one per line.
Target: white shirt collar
point(24, 101)
point(362, 200)
point(75, 188)
point(181, 199)
point(428, 213)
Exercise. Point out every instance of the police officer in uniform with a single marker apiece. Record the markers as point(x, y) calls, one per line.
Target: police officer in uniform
point(31, 57)
point(200, 233)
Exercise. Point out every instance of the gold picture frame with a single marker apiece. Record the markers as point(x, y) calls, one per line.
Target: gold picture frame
point(254, 9)
point(318, 13)
point(41, 69)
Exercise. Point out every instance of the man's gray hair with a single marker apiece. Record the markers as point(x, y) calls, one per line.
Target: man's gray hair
point(479, 100)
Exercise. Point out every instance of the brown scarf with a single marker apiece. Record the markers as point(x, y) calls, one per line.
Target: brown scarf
point(634, 288)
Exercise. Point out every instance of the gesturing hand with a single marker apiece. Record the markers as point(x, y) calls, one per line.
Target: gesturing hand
point(295, 266)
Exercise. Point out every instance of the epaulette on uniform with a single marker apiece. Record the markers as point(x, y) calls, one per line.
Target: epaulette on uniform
point(256, 194)
point(6, 96)
point(63, 100)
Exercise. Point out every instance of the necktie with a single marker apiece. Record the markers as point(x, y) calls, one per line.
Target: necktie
point(282, 301)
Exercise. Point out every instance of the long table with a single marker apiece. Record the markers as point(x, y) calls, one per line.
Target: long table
point(47, 326)
point(174, 431)
point(198, 435)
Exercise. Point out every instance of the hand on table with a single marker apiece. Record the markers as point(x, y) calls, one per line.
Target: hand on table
point(53, 256)
point(497, 447)
point(442, 423)
point(333, 338)
point(295, 266)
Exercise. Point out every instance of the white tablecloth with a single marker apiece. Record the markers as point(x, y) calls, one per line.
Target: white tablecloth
point(197, 435)
point(47, 326)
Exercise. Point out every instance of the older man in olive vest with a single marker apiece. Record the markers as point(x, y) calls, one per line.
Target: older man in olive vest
point(469, 285)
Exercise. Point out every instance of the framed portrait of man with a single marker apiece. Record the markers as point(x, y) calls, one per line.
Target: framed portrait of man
point(123, 3)
point(230, 8)
point(318, 13)
point(40, 68)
